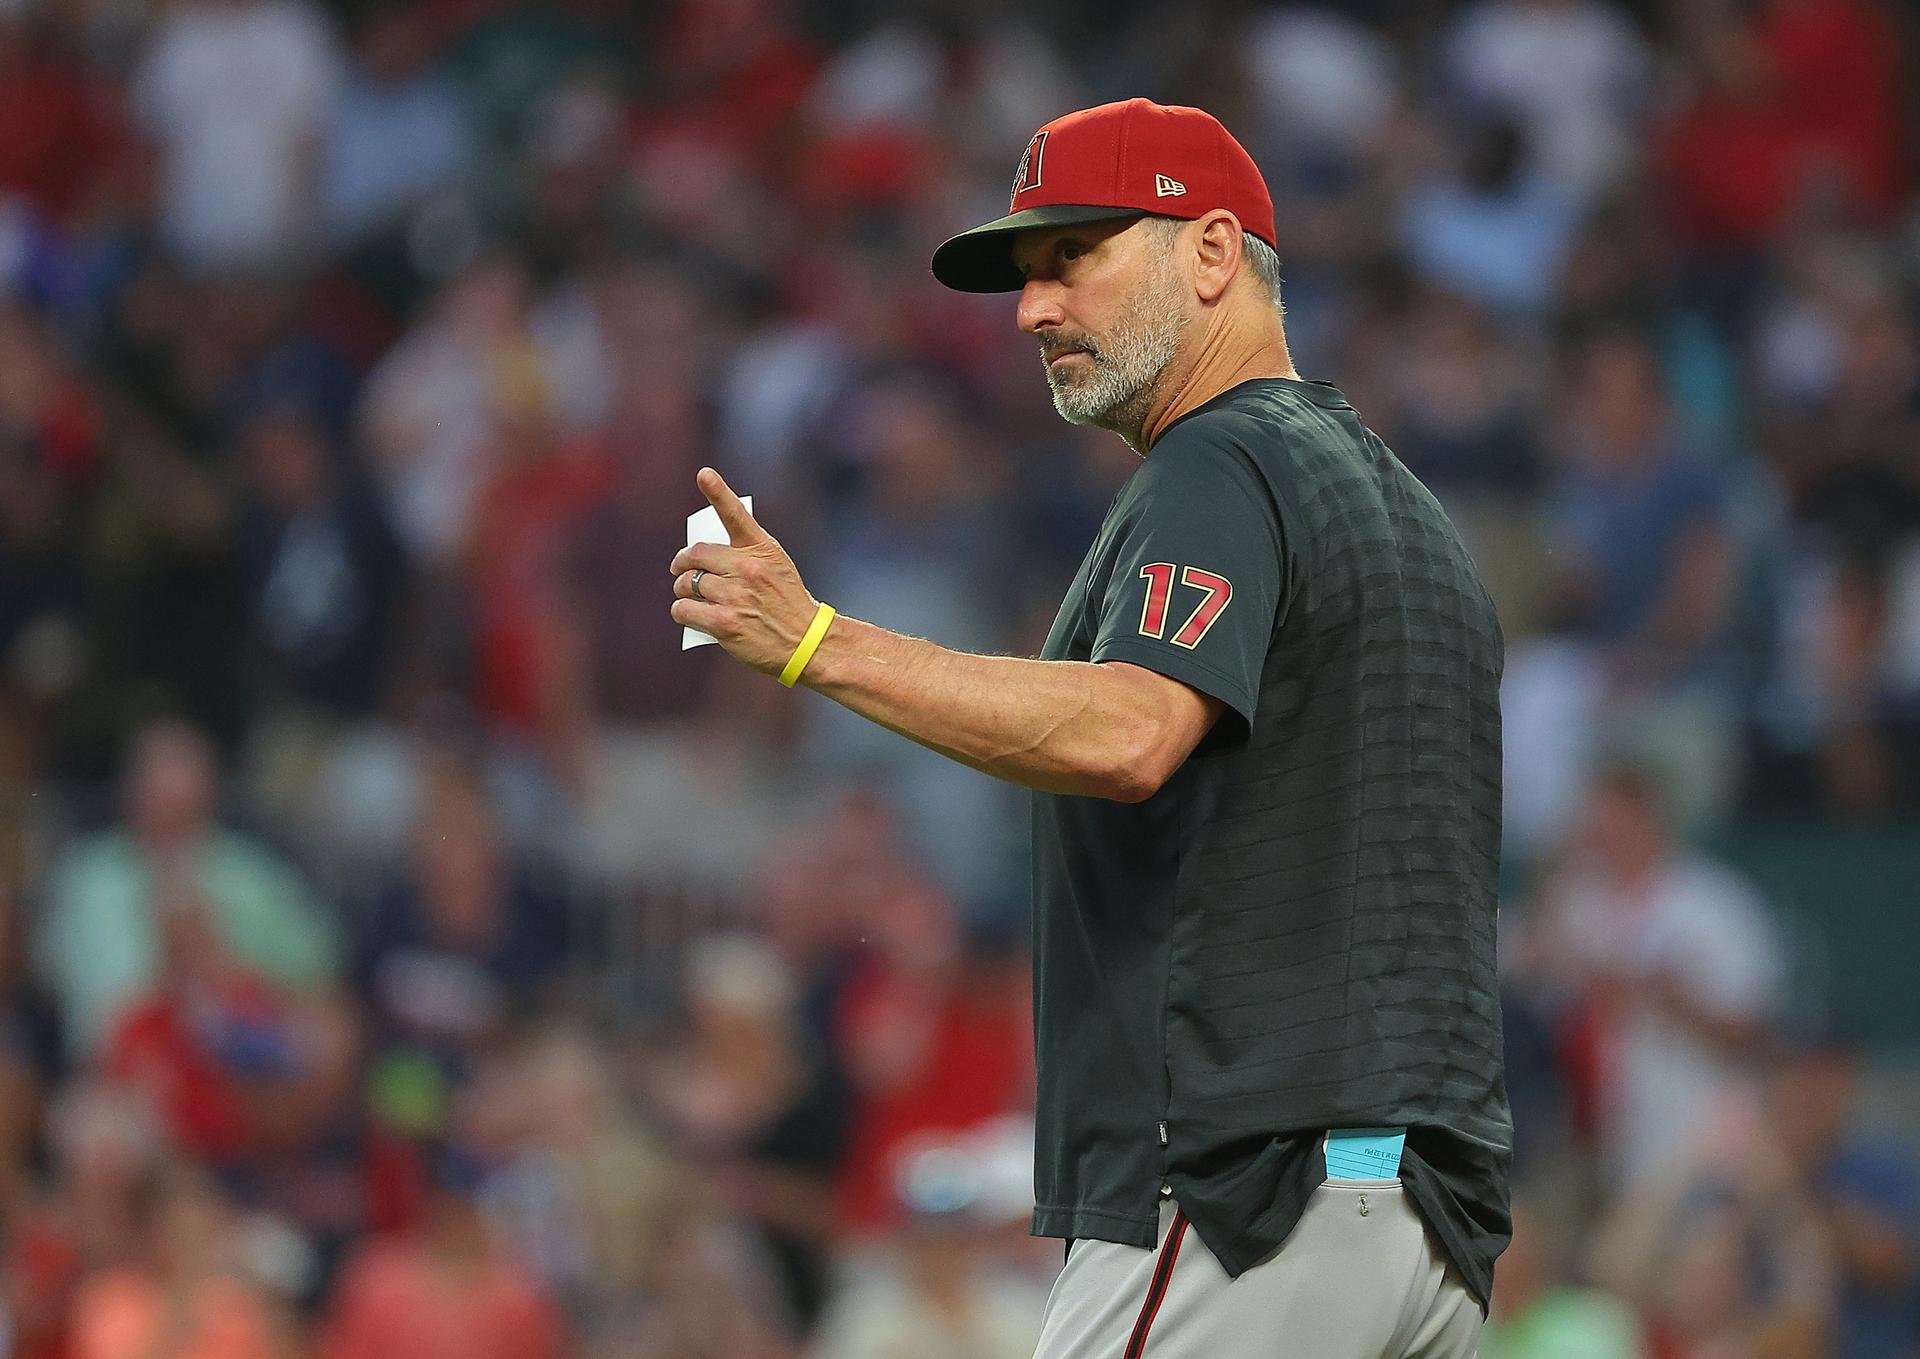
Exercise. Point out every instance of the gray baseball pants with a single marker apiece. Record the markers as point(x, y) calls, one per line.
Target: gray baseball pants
point(1358, 1278)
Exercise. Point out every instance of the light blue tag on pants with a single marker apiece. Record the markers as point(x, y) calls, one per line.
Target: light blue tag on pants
point(1364, 1153)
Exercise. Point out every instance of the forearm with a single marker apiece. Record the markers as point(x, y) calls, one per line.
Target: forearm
point(1058, 726)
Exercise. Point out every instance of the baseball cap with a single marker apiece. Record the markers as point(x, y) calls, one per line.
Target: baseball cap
point(1114, 160)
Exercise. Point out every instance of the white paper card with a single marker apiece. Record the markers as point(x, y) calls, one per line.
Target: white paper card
point(703, 526)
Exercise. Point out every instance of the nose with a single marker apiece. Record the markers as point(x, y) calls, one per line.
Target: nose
point(1039, 306)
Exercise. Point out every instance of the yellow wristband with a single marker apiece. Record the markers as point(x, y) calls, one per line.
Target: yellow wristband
point(809, 644)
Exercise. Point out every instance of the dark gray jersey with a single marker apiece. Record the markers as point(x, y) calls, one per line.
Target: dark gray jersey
point(1296, 933)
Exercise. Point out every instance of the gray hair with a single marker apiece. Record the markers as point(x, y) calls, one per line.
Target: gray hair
point(1266, 267)
point(1260, 257)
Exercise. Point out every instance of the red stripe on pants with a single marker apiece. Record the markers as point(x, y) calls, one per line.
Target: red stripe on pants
point(1157, 1290)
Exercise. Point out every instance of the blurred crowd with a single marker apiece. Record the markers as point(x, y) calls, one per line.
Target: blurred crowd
point(406, 950)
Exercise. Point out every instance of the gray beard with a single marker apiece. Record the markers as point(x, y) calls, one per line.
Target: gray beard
point(1115, 390)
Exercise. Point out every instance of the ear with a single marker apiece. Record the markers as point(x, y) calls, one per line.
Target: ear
point(1217, 253)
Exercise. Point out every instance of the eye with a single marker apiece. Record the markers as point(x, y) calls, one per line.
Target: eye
point(1070, 250)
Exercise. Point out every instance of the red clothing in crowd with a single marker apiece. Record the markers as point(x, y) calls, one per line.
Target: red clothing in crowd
point(971, 1061)
point(126, 1314)
point(737, 78)
point(164, 1046)
point(522, 531)
point(398, 1300)
point(55, 138)
point(1839, 67)
point(1825, 106)
point(43, 1269)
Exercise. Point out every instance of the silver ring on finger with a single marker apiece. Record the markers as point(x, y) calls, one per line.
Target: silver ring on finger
point(694, 584)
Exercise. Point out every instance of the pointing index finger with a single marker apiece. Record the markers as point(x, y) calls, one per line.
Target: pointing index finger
point(740, 525)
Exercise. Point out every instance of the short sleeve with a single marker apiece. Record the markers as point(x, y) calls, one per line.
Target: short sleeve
point(1198, 572)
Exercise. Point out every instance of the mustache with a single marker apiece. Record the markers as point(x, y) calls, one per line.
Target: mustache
point(1052, 348)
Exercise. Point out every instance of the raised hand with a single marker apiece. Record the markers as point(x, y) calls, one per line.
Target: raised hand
point(751, 598)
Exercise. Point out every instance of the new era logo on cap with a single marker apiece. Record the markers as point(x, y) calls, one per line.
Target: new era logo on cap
point(1164, 186)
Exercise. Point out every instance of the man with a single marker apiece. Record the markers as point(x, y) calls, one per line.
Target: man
point(1674, 967)
point(101, 946)
point(1264, 739)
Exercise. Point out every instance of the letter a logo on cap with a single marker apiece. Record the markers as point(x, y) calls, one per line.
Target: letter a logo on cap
point(1165, 186)
point(1028, 175)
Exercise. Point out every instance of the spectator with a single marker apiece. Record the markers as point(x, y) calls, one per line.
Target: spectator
point(1841, 455)
point(427, 412)
point(936, 1041)
point(240, 159)
point(1838, 704)
point(186, 1293)
point(539, 489)
point(468, 935)
point(759, 1113)
point(399, 133)
point(509, 60)
point(1576, 72)
point(108, 1149)
point(1789, 109)
point(1839, 69)
point(325, 572)
point(193, 1044)
point(715, 1299)
point(112, 893)
point(58, 134)
point(1865, 1188)
point(591, 1201)
point(447, 1290)
point(1641, 573)
point(1721, 1248)
point(1538, 1313)
point(1328, 84)
point(1844, 682)
point(164, 615)
point(1640, 517)
point(1463, 416)
point(940, 1292)
point(316, 1175)
point(1669, 970)
point(1727, 158)
point(1491, 229)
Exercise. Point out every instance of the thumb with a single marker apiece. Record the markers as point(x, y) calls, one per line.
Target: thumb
point(741, 528)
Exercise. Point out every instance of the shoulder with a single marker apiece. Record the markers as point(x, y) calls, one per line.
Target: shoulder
point(86, 860)
point(1227, 444)
point(1205, 475)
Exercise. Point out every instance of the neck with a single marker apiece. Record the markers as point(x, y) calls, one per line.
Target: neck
point(1232, 350)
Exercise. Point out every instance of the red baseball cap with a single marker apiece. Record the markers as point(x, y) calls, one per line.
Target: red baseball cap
point(1116, 160)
